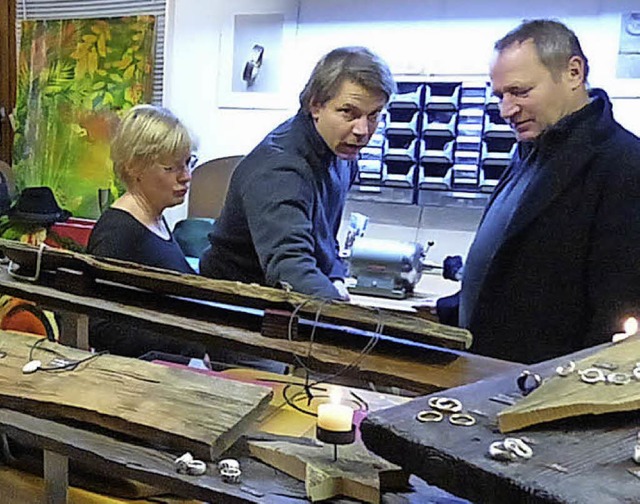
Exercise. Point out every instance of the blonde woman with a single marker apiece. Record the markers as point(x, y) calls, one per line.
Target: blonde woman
point(152, 155)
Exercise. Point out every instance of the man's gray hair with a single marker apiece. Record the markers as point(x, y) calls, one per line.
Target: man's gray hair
point(556, 44)
point(352, 64)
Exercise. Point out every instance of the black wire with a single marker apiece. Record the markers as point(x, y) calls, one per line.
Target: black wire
point(366, 350)
point(308, 385)
point(291, 401)
point(71, 364)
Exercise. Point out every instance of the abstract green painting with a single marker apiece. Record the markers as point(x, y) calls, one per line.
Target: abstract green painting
point(74, 78)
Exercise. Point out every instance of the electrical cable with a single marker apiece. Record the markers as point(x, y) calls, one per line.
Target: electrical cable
point(68, 365)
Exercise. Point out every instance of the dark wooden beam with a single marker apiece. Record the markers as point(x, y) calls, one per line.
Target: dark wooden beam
point(421, 370)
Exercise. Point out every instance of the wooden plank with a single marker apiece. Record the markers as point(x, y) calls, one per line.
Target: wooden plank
point(165, 406)
point(103, 453)
point(56, 477)
point(568, 396)
point(20, 487)
point(357, 473)
point(256, 296)
point(259, 483)
point(576, 460)
point(416, 367)
point(74, 330)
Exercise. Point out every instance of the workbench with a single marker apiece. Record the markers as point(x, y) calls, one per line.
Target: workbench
point(417, 367)
point(420, 368)
point(260, 483)
point(579, 460)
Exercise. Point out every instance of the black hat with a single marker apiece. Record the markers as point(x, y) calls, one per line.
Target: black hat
point(38, 205)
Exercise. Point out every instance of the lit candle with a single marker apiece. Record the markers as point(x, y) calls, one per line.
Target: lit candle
point(630, 328)
point(333, 416)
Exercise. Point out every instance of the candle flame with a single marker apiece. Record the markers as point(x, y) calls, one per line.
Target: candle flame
point(631, 326)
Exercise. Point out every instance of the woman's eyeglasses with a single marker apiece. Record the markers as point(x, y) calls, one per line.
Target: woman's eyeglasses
point(188, 166)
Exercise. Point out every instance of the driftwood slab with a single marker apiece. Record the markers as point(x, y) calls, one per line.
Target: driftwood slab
point(568, 396)
point(586, 459)
point(166, 407)
point(357, 473)
point(250, 295)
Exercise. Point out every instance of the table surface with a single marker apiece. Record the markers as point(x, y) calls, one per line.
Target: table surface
point(260, 483)
point(576, 460)
point(430, 287)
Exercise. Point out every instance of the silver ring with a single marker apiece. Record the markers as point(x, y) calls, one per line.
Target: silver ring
point(429, 416)
point(592, 375)
point(524, 382)
point(228, 463)
point(519, 447)
point(230, 475)
point(498, 451)
point(618, 378)
point(566, 370)
point(446, 404)
point(463, 419)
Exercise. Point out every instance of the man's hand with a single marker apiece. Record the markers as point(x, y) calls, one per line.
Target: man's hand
point(342, 290)
point(452, 268)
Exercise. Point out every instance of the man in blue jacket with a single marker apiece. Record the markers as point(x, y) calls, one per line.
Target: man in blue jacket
point(555, 264)
point(283, 209)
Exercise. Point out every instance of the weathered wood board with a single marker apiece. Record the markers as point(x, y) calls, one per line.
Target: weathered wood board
point(568, 396)
point(105, 454)
point(194, 286)
point(357, 473)
point(575, 460)
point(165, 407)
point(259, 482)
point(421, 369)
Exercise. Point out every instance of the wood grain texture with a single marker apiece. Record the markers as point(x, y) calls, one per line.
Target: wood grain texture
point(104, 453)
point(256, 296)
point(422, 369)
point(568, 396)
point(259, 483)
point(576, 460)
point(166, 407)
point(357, 473)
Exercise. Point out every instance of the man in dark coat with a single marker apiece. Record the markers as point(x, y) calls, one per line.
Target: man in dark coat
point(281, 216)
point(554, 266)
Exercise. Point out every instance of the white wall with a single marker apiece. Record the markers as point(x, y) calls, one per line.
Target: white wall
point(432, 37)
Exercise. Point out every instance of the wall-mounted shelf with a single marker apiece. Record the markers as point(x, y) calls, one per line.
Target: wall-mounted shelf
point(438, 143)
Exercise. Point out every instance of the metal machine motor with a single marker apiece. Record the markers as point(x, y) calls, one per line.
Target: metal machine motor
point(386, 268)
